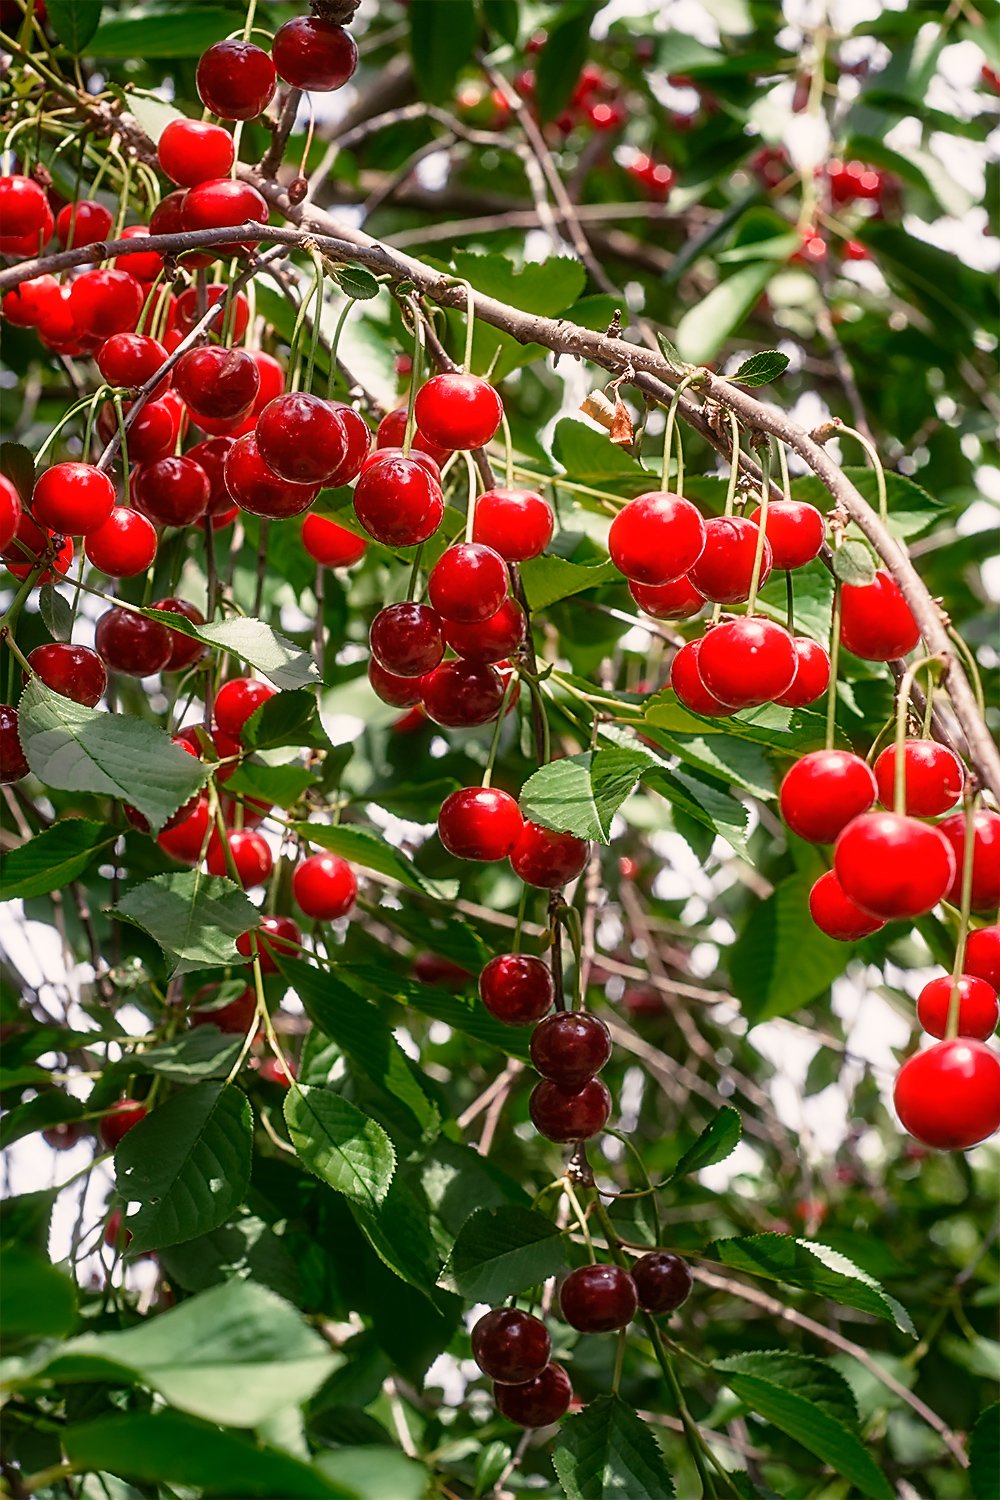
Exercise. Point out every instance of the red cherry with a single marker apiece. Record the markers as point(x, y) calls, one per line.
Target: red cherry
point(462, 694)
point(167, 218)
point(237, 699)
point(538, 1402)
point(836, 914)
point(416, 454)
point(312, 53)
point(985, 857)
point(73, 498)
point(23, 305)
point(56, 321)
point(185, 841)
point(250, 854)
point(570, 1048)
point(152, 435)
point(565, 1115)
point(511, 1345)
point(82, 223)
point(406, 639)
point(823, 792)
point(391, 433)
point(23, 207)
point(689, 687)
point(26, 547)
point(933, 777)
point(124, 545)
point(724, 570)
point(301, 438)
point(458, 411)
point(13, 761)
point(215, 746)
point(235, 1018)
point(211, 456)
point(119, 1120)
point(132, 644)
point(598, 1299)
point(217, 382)
point(220, 202)
point(431, 968)
point(479, 823)
point(144, 265)
point(65, 1135)
point(399, 692)
point(748, 661)
point(74, 671)
point(130, 359)
point(516, 988)
point(398, 502)
point(191, 151)
point(324, 886)
point(678, 600)
point(10, 512)
point(893, 866)
point(812, 674)
point(185, 648)
point(662, 1281)
point(490, 640)
point(978, 1007)
point(794, 530)
point(274, 935)
point(106, 302)
point(982, 955)
point(517, 524)
point(546, 858)
point(171, 491)
point(331, 545)
point(186, 315)
point(235, 80)
point(875, 620)
point(949, 1096)
point(358, 440)
point(257, 489)
point(656, 538)
point(468, 583)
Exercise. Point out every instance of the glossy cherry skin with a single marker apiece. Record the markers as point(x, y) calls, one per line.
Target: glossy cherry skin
point(538, 1402)
point(893, 866)
point(510, 1345)
point(274, 935)
point(468, 583)
point(301, 438)
point(812, 674)
point(458, 411)
point(565, 1115)
point(74, 671)
point(250, 854)
point(546, 858)
point(132, 644)
point(130, 359)
point(119, 1120)
point(982, 955)
point(678, 600)
point(185, 649)
point(358, 440)
point(823, 792)
point(23, 304)
point(191, 151)
point(211, 456)
point(875, 620)
point(26, 547)
point(144, 265)
point(406, 639)
point(10, 511)
point(662, 1281)
point(391, 434)
point(978, 1007)
point(949, 1096)
point(985, 857)
point(398, 692)
point(516, 523)
point(237, 699)
point(23, 206)
point(106, 302)
point(220, 202)
point(490, 640)
point(724, 570)
point(656, 538)
point(217, 382)
point(462, 694)
point(83, 223)
point(570, 1048)
point(124, 545)
point(236, 317)
point(172, 491)
point(598, 1299)
point(748, 661)
point(235, 80)
point(257, 489)
point(794, 530)
point(153, 433)
point(516, 988)
point(479, 823)
point(236, 1018)
point(689, 686)
point(185, 841)
point(933, 778)
point(398, 502)
point(312, 53)
point(836, 914)
point(13, 761)
point(73, 498)
point(324, 886)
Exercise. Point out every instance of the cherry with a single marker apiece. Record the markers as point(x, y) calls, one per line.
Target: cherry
point(132, 644)
point(257, 489)
point(222, 201)
point(25, 549)
point(57, 326)
point(74, 671)
point(13, 761)
point(399, 692)
point(598, 1299)
point(949, 1096)
point(64, 1136)
point(216, 745)
point(185, 648)
point(570, 1048)
point(211, 456)
point(171, 491)
point(836, 914)
point(479, 823)
point(458, 411)
point(119, 1120)
point(794, 530)
point(823, 792)
point(398, 501)
point(812, 674)
point(186, 315)
point(462, 694)
point(235, 80)
point(982, 955)
point(978, 1007)
point(250, 854)
point(655, 177)
point(191, 151)
point(185, 841)
point(546, 858)
point(167, 218)
point(124, 545)
point(236, 1017)
point(468, 583)
point(73, 498)
point(516, 988)
point(106, 302)
point(144, 265)
point(152, 435)
point(678, 600)
point(10, 512)
point(517, 524)
point(538, 1402)
point(656, 538)
point(406, 639)
point(933, 777)
point(510, 1345)
point(130, 359)
point(274, 935)
point(490, 640)
point(237, 699)
point(688, 684)
point(391, 433)
point(985, 857)
point(875, 620)
point(332, 546)
point(855, 250)
point(358, 439)
point(24, 304)
point(82, 223)
point(431, 968)
point(217, 382)
point(324, 887)
point(24, 208)
point(748, 661)
point(893, 866)
point(724, 570)
point(301, 438)
point(662, 1281)
point(312, 53)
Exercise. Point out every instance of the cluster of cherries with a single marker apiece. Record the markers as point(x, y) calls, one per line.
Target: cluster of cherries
point(845, 183)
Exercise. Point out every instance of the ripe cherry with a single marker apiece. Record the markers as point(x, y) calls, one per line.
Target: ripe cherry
point(211, 456)
point(73, 498)
point(748, 661)
point(468, 583)
point(220, 202)
point(949, 1096)
point(479, 823)
point(490, 640)
point(119, 1120)
point(13, 761)
point(662, 1281)
point(185, 841)
point(257, 489)
point(186, 649)
point(65, 1135)
point(538, 1402)
point(144, 265)
point(274, 935)
point(26, 546)
point(312, 53)
point(724, 570)
point(83, 223)
point(74, 671)
point(985, 857)
point(301, 438)
point(235, 80)
point(570, 1048)
point(656, 538)
point(235, 1018)
point(217, 382)
point(546, 858)
point(152, 435)
point(978, 1007)
point(893, 866)
point(812, 674)
point(598, 1299)
point(515, 523)
point(398, 501)
point(124, 545)
point(191, 151)
point(391, 434)
point(106, 302)
point(130, 359)
point(875, 620)
point(431, 968)
point(399, 692)
point(324, 886)
point(836, 914)
point(689, 686)
point(823, 792)
point(171, 491)
point(236, 317)
point(23, 206)
point(794, 530)
point(933, 777)
point(132, 644)
point(516, 988)
point(10, 511)
point(462, 694)
point(510, 1345)
point(23, 305)
point(406, 639)
point(249, 852)
point(458, 411)
point(982, 955)
point(358, 438)
point(678, 600)
point(237, 699)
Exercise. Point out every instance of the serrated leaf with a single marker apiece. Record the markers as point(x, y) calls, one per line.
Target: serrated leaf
point(74, 22)
point(589, 457)
point(559, 63)
point(810, 1377)
point(984, 1454)
point(580, 794)
point(761, 368)
point(362, 847)
point(462, 1012)
point(187, 1165)
point(281, 786)
point(548, 579)
point(53, 858)
point(707, 325)
point(78, 749)
point(442, 41)
point(853, 563)
point(17, 463)
point(344, 1147)
point(279, 659)
point(285, 719)
point(51, 1107)
point(194, 917)
point(357, 281)
point(709, 805)
point(912, 511)
point(718, 1140)
point(245, 1248)
point(174, 33)
point(500, 1252)
point(607, 1452)
point(780, 959)
point(204, 1052)
point(55, 612)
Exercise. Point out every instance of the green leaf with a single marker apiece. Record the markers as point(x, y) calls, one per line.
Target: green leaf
point(77, 749)
point(502, 17)
point(154, 115)
point(187, 1165)
point(204, 1052)
point(17, 463)
point(590, 457)
point(357, 281)
point(606, 1452)
point(912, 511)
point(50, 1107)
point(539, 286)
point(35, 1298)
point(561, 59)
point(548, 579)
point(442, 41)
point(502, 1251)
point(813, 1378)
point(853, 563)
point(344, 1147)
point(174, 33)
point(278, 658)
point(194, 917)
point(580, 794)
point(245, 1248)
point(984, 1454)
point(781, 960)
point(462, 1012)
point(707, 325)
point(362, 847)
point(376, 1471)
point(285, 719)
point(699, 799)
point(761, 368)
point(55, 612)
point(74, 22)
point(815, 1268)
point(53, 858)
point(718, 1140)
point(281, 786)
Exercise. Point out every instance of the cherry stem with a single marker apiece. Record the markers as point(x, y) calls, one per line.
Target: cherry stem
point(968, 656)
point(786, 486)
point(876, 463)
point(508, 451)
point(498, 727)
point(902, 715)
point(758, 557)
point(470, 326)
point(416, 375)
point(831, 700)
point(411, 589)
point(616, 1377)
point(470, 509)
point(123, 444)
point(294, 360)
point(789, 602)
point(317, 316)
point(968, 857)
point(519, 924)
point(334, 346)
point(581, 1218)
point(734, 464)
point(668, 435)
point(555, 953)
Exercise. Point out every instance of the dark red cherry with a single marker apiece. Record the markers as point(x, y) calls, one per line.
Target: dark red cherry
point(13, 761)
point(516, 988)
point(724, 570)
point(656, 538)
point(823, 792)
point(406, 639)
point(836, 914)
point(570, 1048)
point(167, 217)
point(325, 887)
point(274, 935)
point(249, 853)
point(211, 456)
point(191, 151)
point(130, 359)
point(221, 202)
point(985, 857)
point(124, 545)
point(235, 80)
point(74, 671)
point(331, 545)
point(893, 866)
point(257, 489)
point(982, 955)
point(236, 318)
point(458, 411)
point(119, 1120)
point(515, 523)
point(748, 661)
point(73, 498)
point(678, 600)
point(358, 442)
point(538, 1402)
point(313, 53)
point(978, 1008)
point(598, 1299)
point(186, 650)
point(489, 640)
point(949, 1096)
point(237, 699)
point(10, 512)
point(462, 694)
point(185, 841)
point(812, 674)
point(172, 491)
point(132, 644)
point(479, 823)
point(106, 302)
point(794, 530)
point(391, 434)
point(662, 1281)
point(83, 223)
point(398, 502)
point(217, 382)
point(565, 1115)
point(546, 858)
point(875, 620)
point(399, 692)
point(468, 583)
point(235, 1018)
point(933, 778)
point(687, 683)
point(510, 1345)
point(152, 435)
point(301, 438)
